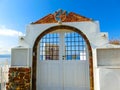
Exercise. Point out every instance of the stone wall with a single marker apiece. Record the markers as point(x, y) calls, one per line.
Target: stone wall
point(19, 78)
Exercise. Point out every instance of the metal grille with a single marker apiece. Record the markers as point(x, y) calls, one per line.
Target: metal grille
point(74, 43)
point(75, 46)
point(49, 47)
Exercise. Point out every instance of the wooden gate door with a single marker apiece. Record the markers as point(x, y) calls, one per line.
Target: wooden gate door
point(62, 62)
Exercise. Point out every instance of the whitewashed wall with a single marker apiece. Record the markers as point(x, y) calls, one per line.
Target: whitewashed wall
point(20, 56)
point(90, 29)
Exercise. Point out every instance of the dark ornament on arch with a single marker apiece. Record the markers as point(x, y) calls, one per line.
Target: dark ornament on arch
point(60, 15)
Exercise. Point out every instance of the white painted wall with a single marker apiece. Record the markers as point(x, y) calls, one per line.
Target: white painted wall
point(109, 78)
point(20, 57)
point(97, 40)
point(108, 57)
point(90, 29)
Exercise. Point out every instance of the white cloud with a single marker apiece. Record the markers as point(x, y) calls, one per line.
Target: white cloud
point(5, 50)
point(8, 39)
point(4, 31)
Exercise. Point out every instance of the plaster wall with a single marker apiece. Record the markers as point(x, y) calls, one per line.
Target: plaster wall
point(26, 43)
point(20, 57)
point(96, 72)
point(108, 57)
point(90, 29)
point(109, 78)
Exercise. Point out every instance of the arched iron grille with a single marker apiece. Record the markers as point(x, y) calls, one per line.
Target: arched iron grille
point(75, 46)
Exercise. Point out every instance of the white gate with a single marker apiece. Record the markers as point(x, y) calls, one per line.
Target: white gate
point(62, 62)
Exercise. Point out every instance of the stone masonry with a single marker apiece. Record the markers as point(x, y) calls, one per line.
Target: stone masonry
point(19, 78)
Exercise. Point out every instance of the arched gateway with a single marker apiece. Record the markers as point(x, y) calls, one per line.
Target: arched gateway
point(65, 60)
point(60, 52)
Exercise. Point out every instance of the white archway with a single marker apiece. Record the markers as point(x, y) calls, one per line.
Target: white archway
point(62, 27)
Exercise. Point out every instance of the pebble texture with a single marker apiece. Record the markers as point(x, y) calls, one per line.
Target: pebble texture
point(19, 78)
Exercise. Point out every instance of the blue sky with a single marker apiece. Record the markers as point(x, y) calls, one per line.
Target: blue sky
point(16, 14)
